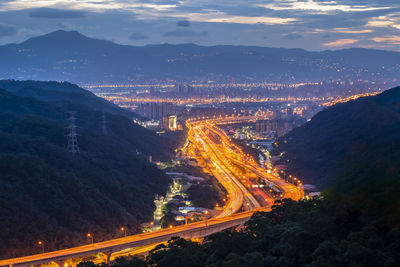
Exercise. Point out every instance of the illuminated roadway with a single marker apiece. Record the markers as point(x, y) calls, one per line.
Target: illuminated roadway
point(288, 190)
point(219, 166)
point(193, 230)
point(230, 165)
point(222, 158)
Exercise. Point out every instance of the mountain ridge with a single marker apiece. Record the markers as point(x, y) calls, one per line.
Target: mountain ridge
point(71, 56)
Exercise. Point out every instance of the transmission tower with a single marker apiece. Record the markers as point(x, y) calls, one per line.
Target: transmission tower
point(72, 146)
point(104, 124)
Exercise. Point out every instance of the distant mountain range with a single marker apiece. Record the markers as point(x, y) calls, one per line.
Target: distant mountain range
point(71, 56)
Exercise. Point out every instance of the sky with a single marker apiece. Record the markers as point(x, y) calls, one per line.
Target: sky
point(309, 24)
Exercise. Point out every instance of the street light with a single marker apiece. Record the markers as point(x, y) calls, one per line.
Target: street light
point(123, 229)
point(89, 235)
point(40, 243)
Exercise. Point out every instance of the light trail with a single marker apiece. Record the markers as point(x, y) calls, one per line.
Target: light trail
point(222, 157)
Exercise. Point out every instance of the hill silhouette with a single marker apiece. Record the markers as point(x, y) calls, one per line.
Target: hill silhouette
point(62, 93)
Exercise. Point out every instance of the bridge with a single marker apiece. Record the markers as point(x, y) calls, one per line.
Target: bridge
point(189, 231)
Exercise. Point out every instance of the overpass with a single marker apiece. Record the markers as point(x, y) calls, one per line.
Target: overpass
point(193, 230)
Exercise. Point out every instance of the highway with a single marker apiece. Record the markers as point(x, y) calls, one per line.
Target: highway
point(221, 169)
point(231, 167)
point(193, 230)
point(236, 156)
point(227, 162)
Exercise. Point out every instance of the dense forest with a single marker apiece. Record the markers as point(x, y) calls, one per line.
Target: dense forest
point(353, 149)
point(51, 195)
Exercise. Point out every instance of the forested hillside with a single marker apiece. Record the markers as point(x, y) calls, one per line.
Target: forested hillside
point(49, 194)
point(354, 148)
point(308, 233)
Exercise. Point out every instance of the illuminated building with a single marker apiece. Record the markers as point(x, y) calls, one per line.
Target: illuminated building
point(172, 123)
point(169, 122)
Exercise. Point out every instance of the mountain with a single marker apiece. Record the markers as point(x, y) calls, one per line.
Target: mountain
point(62, 93)
point(71, 56)
point(49, 194)
point(352, 148)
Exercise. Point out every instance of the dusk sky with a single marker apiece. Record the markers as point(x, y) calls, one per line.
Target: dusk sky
point(310, 24)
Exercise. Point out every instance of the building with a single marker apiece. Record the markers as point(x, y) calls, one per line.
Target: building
point(266, 125)
point(172, 123)
point(278, 126)
point(169, 122)
point(155, 110)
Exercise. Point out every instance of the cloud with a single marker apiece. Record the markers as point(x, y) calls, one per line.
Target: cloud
point(240, 22)
point(320, 7)
point(392, 40)
point(138, 36)
point(53, 13)
point(342, 30)
point(341, 42)
point(391, 20)
point(345, 30)
point(7, 30)
point(183, 23)
point(180, 33)
point(250, 20)
point(292, 36)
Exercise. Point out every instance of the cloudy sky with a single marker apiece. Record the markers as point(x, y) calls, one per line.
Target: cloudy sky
point(308, 24)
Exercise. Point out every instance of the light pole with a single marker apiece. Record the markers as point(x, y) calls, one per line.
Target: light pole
point(89, 235)
point(123, 229)
point(206, 218)
point(40, 243)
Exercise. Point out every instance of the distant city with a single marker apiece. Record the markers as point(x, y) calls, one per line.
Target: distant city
point(171, 104)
